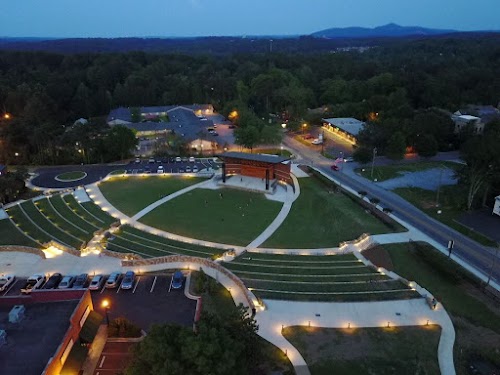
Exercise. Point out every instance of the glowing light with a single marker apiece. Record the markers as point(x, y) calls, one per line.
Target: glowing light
point(105, 303)
point(7, 116)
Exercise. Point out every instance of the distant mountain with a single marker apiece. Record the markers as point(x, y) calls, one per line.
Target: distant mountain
point(390, 30)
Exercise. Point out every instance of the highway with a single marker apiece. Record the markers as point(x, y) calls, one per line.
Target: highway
point(476, 255)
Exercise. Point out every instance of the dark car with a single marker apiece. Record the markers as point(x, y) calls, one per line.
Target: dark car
point(177, 280)
point(128, 280)
point(53, 281)
point(81, 281)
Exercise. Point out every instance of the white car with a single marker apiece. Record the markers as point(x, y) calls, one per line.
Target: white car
point(191, 159)
point(349, 159)
point(96, 282)
point(317, 141)
point(178, 159)
point(66, 282)
point(5, 281)
point(195, 169)
point(188, 169)
point(160, 169)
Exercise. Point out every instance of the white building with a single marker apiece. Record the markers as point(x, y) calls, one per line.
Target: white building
point(496, 207)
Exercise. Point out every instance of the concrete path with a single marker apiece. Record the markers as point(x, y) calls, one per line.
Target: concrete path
point(169, 197)
point(411, 312)
point(95, 350)
point(278, 220)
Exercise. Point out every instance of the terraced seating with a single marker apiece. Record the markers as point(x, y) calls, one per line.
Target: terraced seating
point(89, 212)
point(133, 240)
point(315, 278)
point(62, 208)
point(27, 226)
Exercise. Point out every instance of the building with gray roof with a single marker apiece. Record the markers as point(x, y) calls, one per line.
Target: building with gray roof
point(346, 127)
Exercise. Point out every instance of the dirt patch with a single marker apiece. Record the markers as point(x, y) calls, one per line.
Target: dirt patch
point(379, 256)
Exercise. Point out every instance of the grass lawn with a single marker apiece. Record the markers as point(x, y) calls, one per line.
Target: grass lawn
point(272, 151)
point(236, 218)
point(475, 315)
point(387, 172)
point(321, 219)
point(451, 206)
point(118, 172)
point(375, 351)
point(132, 194)
point(70, 176)
point(9, 235)
point(217, 300)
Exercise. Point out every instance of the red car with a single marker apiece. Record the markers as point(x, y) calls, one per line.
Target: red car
point(335, 167)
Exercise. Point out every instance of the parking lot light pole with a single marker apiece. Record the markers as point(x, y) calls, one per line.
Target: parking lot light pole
point(105, 305)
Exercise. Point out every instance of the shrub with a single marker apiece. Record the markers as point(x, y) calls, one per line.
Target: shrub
point(375, 201)
point(122, 327)
point(387, 210)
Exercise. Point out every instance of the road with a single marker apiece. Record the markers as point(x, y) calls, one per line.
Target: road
point(476, 255)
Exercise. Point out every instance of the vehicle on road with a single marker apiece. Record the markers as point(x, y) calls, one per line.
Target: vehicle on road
point(53, 281)
point(335, 167)
point(191, 159)
point(151, 160)
point(66, 282)
point(81, 280)
point(96, 282)
point(195, 169)
point(317, 141)
point(177, 280)
point(33, 282)
point(128, 280)
point(5, 281)
point(113, 280)
point(348, 159)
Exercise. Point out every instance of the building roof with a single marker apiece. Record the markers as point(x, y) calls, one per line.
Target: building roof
point(124, 114)
point(2, 167)
point(272, 159)
point(468, 117)
point(348, 124)
point(33, 341)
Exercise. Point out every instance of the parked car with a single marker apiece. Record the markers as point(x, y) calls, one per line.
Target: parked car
point(96, 282)
point(151, 160)
point(188, 169)
point(160, 170)
point(317, 141)
point(137, 160)
point(195, 169)
point(172, 159)
point(113, 280)
point(5, 281)
point(128, 280)
point(66, 282)
point(181, 170)
point(81, 280)
point(185, 158)
point(191, 159)
point(178, 159)
point(53, 281)
point(177, 280)
point(335, 167)
point(232, 126)
point(33, 282)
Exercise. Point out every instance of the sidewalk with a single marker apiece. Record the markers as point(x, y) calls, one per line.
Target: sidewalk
point(95, 350)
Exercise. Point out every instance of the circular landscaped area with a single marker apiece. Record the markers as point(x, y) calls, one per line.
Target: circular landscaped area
point(71, 176)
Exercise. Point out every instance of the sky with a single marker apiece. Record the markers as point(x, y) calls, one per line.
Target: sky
point(138, 18)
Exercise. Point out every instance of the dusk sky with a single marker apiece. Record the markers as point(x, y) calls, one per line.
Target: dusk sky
point(120, 18)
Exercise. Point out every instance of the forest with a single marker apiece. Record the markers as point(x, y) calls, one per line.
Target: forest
point(404, 88)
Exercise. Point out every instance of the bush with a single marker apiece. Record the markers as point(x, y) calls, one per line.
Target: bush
point(375, 201)
point(122, 327)
point(387, 210)
point(362, 193)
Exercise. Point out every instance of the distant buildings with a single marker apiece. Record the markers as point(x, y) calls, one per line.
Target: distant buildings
point(474, 116)
point(186, 121)
point(347, 128)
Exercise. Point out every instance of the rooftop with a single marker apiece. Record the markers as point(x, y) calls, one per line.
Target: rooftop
point(348, 124)
point(273, 159)
point(33, 341)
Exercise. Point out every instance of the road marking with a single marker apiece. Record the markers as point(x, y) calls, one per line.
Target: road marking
point(137, 283)
point(119, 287)
point(102, 361)
point(153, 286)
point(11, 286)
point(171, 281)
point(102, 290)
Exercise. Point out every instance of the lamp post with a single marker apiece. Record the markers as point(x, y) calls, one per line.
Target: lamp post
point(281, 153)
point(373, 161)
point(105, 305)
point(304, 126)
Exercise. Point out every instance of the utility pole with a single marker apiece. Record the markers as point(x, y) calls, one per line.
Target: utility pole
point(373, 161)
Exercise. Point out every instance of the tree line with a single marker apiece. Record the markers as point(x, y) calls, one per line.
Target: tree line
point(392, 87)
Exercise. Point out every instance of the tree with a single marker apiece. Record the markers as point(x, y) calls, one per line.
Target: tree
point(135, 114)
point(363, 155)
point(426, 145)
point(247, 136)
point(396, 146)
point(119, 142)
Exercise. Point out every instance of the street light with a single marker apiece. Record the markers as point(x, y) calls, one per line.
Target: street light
point(304, 126)
point(6, 116)
point(105, 305)
point(283, 125)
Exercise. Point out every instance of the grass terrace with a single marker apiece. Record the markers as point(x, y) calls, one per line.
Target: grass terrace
point(26, 225)
point(70, 201)
point(96, 211)
point(10, 235)
point(237, 217)
point(73, 217)
point(132, 194)
point(315, 278)
point(320, 218)
point(147, 245)
point(388, 172)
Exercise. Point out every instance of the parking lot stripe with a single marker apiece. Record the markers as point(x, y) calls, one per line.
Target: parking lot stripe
point(102, 361)
point(171, 281)
point(12, 286)
point(154, 283)
point(102, 290)
point(118, 289)
point(137, 283)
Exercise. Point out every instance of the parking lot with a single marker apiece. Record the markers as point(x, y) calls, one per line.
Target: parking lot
point(150, 300)
point(114, 358)
point(169, 165)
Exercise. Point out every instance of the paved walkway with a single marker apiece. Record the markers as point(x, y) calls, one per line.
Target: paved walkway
point(358, 314)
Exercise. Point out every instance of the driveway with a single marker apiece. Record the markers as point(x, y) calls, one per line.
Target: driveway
point(46, 176)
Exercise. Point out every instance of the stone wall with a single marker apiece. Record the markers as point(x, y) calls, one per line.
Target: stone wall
point(60, 246)
point(23, 249)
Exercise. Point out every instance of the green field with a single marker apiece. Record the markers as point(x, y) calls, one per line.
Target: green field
point(9, 235)
point(387, 172)
point(71, 176)
point(319, 219)
point(132, 194)
point(236, 218)
point(375, 351)
point(315, 278)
